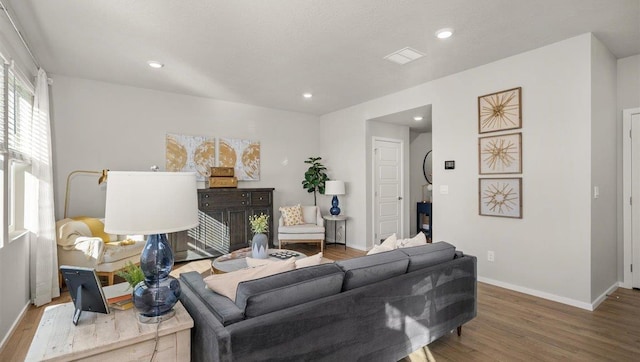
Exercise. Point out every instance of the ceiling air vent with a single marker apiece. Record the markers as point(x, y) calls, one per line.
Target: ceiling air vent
point(404, 56)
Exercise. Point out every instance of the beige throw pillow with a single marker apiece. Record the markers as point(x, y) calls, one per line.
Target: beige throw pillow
point(292, 215)
point(227, 284)
point(419, 239)
point(378, 249)
point(388, 244)
point(309, 261)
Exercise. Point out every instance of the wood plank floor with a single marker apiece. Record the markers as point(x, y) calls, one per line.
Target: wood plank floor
point(510, 326)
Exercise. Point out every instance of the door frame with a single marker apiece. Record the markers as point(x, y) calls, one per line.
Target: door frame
point(626, 196)
point(400, 142)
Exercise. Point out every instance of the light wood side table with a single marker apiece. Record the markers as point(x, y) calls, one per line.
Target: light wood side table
point(117, 336)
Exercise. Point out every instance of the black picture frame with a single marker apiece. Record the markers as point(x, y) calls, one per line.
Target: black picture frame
point(85, 290)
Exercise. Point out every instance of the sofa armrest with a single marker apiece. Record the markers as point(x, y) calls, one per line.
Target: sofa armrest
point(210, 340)
point(280, 221)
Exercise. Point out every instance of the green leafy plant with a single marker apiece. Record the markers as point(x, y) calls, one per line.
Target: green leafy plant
point(132, 273)
point(259, 224)
point(315, 177)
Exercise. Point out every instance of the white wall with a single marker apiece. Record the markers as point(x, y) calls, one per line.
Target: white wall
point(548, 251)
point(604, 254)
point(14, 283)
point(100, 125)
point(420, 145)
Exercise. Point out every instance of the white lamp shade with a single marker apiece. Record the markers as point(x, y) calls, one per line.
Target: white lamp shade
point(334, 188)
point(150, 202)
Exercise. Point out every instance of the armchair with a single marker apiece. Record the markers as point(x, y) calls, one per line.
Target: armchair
point(309, 230)
point(83, 242)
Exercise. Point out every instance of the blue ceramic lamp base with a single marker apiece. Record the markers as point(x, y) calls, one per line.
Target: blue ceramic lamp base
point(155, 297)
point(335, 210)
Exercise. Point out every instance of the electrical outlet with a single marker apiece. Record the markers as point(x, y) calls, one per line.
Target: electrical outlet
point(491, 256)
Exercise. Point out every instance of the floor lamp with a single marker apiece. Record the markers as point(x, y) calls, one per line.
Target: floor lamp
point(102, 179)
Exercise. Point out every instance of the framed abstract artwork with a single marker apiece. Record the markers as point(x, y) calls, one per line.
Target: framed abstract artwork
point(500, 111)
point(500, 154)
point(190, 153)
point(501, 197)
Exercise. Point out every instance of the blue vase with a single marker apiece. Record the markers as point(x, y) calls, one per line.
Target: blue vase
point(260, 246)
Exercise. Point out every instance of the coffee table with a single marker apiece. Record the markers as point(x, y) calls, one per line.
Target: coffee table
point(226, 264)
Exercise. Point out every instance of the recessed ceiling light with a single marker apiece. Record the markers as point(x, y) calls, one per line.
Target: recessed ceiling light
point(154, 64)
point(307, 95)
point(417, 118)
point(444, 33)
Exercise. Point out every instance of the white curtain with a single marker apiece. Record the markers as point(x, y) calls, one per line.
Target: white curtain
point(44, 257)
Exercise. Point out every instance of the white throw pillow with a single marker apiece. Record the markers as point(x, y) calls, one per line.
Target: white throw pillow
point(378, 249)
point(227, 284)
point(309, 261)
point(419, 239)
point(390, 242)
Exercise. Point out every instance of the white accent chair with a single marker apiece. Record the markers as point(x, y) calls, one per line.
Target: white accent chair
point(312, 231)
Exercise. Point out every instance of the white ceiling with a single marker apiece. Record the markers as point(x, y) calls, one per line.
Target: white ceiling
point(268, 53)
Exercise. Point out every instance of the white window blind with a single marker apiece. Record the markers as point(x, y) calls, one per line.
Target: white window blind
point(20, 108)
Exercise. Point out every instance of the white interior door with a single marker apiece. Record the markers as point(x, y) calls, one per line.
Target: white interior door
point(635, 197)
point(387, 182)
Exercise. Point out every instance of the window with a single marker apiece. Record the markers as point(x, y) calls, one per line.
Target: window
point(16, 107)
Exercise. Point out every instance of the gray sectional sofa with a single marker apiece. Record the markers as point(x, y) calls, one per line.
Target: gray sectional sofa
point(379, 307)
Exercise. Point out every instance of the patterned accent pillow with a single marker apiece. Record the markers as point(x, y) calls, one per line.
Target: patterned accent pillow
point(292, 215)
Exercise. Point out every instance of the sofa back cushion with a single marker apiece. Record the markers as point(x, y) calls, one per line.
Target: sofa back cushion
point(427, 255)
point(284, 290)
point(372, 268)
point(220, 306)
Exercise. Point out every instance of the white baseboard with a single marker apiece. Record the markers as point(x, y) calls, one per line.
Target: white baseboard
point(15, 324)
point(540, 294)
point(604, 295)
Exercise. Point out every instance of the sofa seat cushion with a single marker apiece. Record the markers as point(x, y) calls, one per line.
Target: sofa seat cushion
point(284, 290)
point(373, 268)
point(427, 255)
point(301, 229)
point(223, 308)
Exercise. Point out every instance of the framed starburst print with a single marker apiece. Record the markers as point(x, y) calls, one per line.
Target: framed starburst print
point(501, 197)
point(500, 154)
point(500, 111)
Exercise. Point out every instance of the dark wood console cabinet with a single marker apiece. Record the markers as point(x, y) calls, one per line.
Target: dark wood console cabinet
point(224, 222)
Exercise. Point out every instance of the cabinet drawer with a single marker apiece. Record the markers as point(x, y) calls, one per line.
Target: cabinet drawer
point(212, 200)
point(260, 198)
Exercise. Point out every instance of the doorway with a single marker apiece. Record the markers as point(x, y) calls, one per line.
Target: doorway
point(388, 179)
point(631, 197)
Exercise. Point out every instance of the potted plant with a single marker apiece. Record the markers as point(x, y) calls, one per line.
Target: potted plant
point(315, 177)
point(132, 273)
point(260, 243)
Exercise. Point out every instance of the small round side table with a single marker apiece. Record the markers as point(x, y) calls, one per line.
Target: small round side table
point(335, 219)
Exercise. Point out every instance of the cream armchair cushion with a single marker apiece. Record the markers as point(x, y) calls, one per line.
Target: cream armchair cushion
point(311, 231)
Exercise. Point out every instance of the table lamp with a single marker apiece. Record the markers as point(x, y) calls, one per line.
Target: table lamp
point(334, 188)
point(153, 204)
